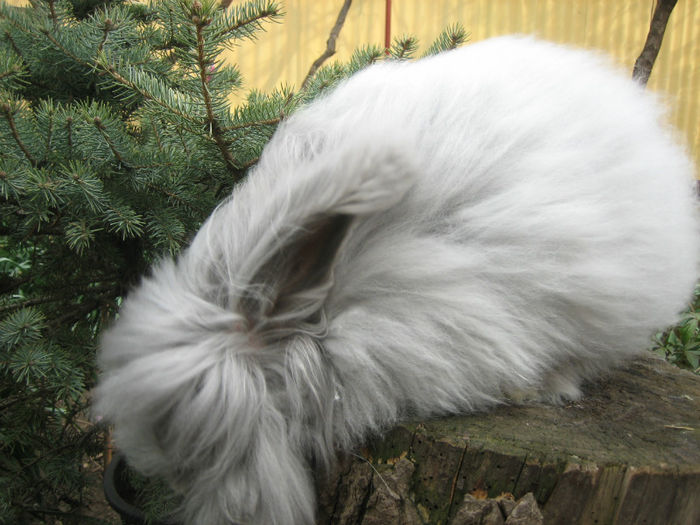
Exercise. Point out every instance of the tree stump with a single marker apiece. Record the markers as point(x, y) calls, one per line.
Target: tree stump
point(627, 453)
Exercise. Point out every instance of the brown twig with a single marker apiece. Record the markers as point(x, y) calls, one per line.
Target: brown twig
point(49, 134)
point(30, 302)
point(79, 311)
point(657, 28)
point(214, 126)
point(103, 131)
point(69, 135)
point(106, 289)
point(14, 46)
point(52, 10)
point(174, 197)
point(88, 434)
point(156, 135)
point(251, 163)
point(268, 122)
point(330, 44)
point(64, 50)
point(10, 72)
point(15, 134)
point(105, 35)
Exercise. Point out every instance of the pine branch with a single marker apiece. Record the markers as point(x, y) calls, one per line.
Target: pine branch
point(214, 126)
point(47, 299)
point(156, 134)
point(13, 44)
point(41, 512)
point(78, 312)
point(111, 70)
point(8, 402)
point(251, 163)
point(124, 221)
point(172, 196)
point(330, 44)
point(451, 38)
point(185, 147)
point(69, 132)
point(30, 302)
point(89, 434)
point(403, 48)
point(65, 50)
point(246, 125)
point(52, 10)
point(47, 111)
point(108, 26)
point(363, 57)
point(103, 132)
point(10, 72)
point(244, 23)
point(7, 111)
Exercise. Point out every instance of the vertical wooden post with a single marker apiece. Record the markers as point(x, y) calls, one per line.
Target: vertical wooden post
point(387, 28)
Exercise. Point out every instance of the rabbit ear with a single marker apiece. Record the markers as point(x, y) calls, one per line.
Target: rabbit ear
point(273, 243)
point(310, 215)
point(310, 259)
point(297, 277)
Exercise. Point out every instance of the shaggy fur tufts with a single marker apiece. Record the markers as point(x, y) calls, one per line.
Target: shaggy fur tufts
point(499, 221)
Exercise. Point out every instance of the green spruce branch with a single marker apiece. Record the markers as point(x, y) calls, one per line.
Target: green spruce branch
point(148, 94)
point(245, 21)
point(97, 121)
point(13, 71)
point(13, 44)
point(9, 117)
point(204, 72)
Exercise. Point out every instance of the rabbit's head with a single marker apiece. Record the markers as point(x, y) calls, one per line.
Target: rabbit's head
point(214, 374)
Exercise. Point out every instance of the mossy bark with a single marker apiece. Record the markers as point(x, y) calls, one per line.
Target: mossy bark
point(628, 452)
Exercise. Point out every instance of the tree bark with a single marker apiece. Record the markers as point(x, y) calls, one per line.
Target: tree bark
point(628, 452)
point(652, 46)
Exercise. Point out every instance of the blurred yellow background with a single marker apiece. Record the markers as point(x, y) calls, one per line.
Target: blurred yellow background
point(286, 51)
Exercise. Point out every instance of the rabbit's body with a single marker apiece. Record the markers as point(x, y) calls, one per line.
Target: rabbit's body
point(430, 238)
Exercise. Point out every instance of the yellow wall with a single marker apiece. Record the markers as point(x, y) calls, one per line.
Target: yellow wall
point(285, 53)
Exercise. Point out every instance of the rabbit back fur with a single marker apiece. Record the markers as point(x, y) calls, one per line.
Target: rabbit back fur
point(434, 237)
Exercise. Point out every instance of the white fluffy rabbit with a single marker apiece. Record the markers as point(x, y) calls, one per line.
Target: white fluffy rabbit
point(498, 221)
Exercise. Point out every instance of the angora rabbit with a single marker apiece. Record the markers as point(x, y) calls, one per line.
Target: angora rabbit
point(496, 222)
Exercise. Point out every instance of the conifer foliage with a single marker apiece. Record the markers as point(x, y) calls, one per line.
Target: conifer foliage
point(117, 139)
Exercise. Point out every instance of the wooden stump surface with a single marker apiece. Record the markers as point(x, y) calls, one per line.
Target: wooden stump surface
point(627, 453)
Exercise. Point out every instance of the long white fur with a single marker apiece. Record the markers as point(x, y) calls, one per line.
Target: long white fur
point(520, 221)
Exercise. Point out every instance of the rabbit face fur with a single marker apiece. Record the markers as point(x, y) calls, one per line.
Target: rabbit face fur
point(434, 237)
